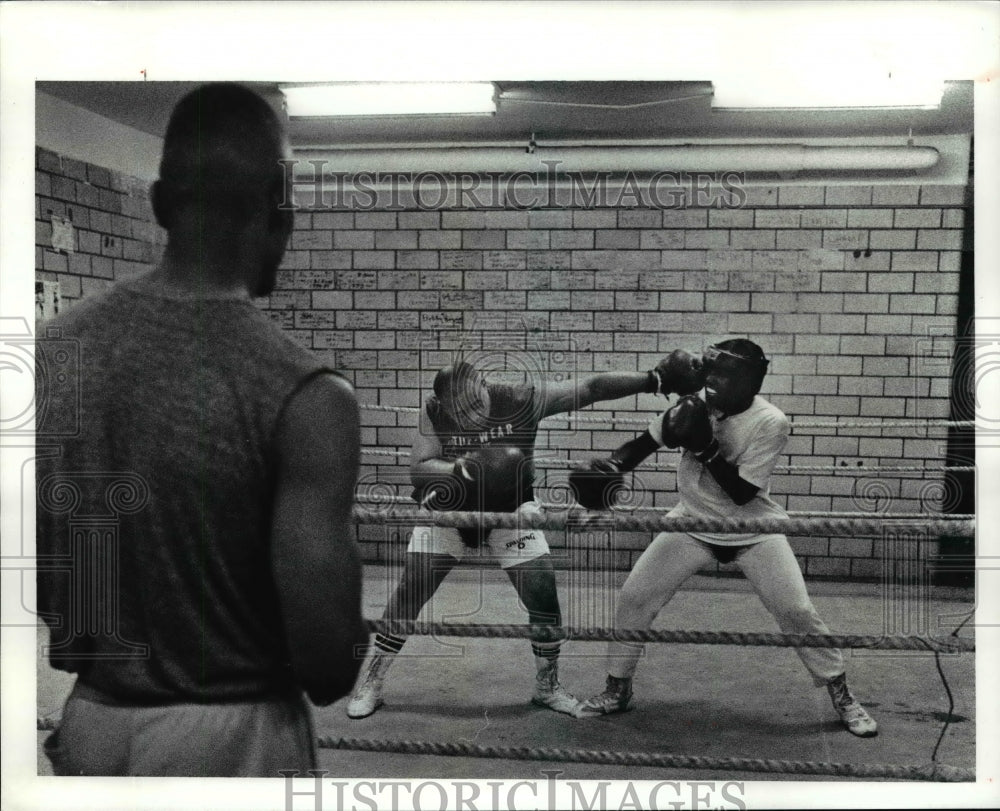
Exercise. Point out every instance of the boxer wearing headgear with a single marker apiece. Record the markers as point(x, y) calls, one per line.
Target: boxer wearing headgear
point(474, 451)
point(731, 440)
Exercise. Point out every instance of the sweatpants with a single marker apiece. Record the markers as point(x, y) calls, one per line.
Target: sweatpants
point(233, 739)
point(768, 564)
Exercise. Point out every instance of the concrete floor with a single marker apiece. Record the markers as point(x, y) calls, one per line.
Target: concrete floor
point(719, 701)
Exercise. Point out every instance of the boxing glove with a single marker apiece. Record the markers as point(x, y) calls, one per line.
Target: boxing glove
point(494, 477)
point(597, 486)
point(679, 372)
point(687, 425)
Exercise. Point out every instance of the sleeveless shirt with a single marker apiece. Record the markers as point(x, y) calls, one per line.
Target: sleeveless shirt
point(154, 517)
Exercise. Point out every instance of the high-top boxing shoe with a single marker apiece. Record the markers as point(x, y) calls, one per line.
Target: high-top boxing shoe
point(548, 691)
point(617, 697)
point(852, 714)
point(368, 697)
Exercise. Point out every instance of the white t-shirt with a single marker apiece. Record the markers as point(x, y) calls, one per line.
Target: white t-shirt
point(752, 440)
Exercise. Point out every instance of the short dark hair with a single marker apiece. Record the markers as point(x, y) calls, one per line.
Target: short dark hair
point(458, 374)
point(222, 147)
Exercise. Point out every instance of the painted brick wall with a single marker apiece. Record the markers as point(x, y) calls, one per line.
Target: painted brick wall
point(852, 290)
point(114, 235)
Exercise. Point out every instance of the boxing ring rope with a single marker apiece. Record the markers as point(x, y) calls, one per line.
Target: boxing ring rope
point(584, 519)
point(553, 633)
point(937, 772)
point(407, 501)
point(550, 465)
point(798, 423)
point(874, 422)
point(931, 772)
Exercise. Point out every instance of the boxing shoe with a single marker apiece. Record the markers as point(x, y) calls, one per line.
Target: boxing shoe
point(617, 697)
point(548, 691)
point(368, 697)
point(852, 714)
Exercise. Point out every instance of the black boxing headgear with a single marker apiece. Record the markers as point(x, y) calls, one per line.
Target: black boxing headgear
point(737, 350)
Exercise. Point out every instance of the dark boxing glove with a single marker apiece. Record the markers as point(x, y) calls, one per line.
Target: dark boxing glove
point(598, 485)
point(687, 425)
point(679, 372)
point(494, 477)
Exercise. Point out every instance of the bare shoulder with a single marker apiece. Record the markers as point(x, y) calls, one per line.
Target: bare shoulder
point(324, 406)
point(324, 392)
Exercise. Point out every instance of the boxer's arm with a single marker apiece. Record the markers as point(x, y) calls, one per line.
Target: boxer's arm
point(426, 464)
point(750, 473)
point(570, 395)
point(314, 557)
point(628, 456)
point(729, 479)
point(687, 425)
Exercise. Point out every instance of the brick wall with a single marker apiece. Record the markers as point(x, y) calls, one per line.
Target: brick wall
point(114, 235)
point(851, 290)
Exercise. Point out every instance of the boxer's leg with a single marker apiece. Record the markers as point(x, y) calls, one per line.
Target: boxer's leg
point(432, 553)
point(668, 561)
point(772, 570)
point(523, 553)
point(535, 582)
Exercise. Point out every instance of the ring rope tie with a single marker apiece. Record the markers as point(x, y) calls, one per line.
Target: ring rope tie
point(872, 423)
point(554, 633)
point(930, 772)
point(604, 521)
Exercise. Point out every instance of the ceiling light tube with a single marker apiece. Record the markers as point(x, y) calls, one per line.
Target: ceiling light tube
point(389, 98)
point(801, 93)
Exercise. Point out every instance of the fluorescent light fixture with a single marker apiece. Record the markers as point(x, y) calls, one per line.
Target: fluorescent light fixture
point(797, 91)
point(390, 98)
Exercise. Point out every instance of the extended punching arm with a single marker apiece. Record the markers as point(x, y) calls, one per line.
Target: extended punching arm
point(628, 456)
point(677, 373)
